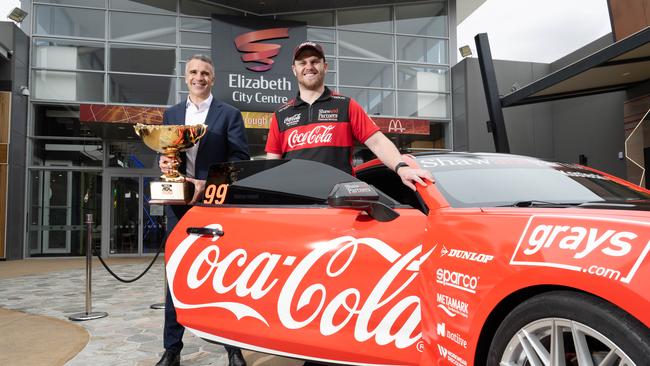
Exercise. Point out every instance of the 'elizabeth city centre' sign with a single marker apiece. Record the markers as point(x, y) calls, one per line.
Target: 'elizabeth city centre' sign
point(252, 61)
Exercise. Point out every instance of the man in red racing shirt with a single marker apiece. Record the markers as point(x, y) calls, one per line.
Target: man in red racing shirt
point(321, 125)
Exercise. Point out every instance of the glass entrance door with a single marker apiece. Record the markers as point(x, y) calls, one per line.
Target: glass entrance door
point(57, 210)
point(153, 229)
point(135, 226)
point(125, 215)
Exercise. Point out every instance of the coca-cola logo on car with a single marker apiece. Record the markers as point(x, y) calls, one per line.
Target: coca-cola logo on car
point(317, 135)
point(204, 275)
point(603, 247)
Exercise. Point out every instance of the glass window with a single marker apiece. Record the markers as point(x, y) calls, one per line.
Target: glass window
point(319, 19)
point(373, 101)
point(424, 78)
point(59, 54)
point(365, 45)
point(131, 154)
point(196, 39)
point(73, 22)
point(202, 9)
point(414, 143)
point(141, 59)
point(158, 6)
point(141, 89)
point(189, 52)
point(63, 121)
point(428, 19)
point(143, 28)
point(88, 3)
point(196, 24)
point(359, 73)
point(77, 153)
point(320, 34)
point(330, 79)
point(58, 201)
point(329, 48)
point(427, 50)
point(331, 64)
point(72, 86)
point(367, 19)
point(413, 104)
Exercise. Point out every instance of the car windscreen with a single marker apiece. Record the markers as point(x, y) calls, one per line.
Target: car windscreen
point(489, 181)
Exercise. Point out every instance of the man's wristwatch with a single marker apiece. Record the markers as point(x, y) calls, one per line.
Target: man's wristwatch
point(401, 164)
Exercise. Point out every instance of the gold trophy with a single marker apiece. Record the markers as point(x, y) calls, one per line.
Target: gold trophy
point(170, 140)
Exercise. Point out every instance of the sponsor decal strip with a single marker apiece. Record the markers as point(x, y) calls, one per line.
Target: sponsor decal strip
point(584, 244)
point(346, 248)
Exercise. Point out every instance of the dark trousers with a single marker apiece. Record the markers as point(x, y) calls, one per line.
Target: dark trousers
point(173, 331)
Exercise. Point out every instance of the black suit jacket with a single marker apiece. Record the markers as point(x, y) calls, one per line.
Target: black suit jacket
point(225, 140)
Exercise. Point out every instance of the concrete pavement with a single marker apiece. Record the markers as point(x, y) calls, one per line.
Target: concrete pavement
point(38, 295)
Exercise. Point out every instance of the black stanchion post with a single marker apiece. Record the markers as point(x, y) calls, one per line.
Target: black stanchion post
point(88, 315)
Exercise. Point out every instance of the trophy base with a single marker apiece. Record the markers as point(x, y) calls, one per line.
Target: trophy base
point(171, 193)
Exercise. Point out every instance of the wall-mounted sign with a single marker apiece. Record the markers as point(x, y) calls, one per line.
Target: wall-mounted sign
point(405, 126)
point(252, 61)
point(257, 119)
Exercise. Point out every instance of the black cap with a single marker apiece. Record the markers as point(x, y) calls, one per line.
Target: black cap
point(308, 44)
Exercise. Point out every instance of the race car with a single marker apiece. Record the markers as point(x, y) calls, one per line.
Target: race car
point(502, 260)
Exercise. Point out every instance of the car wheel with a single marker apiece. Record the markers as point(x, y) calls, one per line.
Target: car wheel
point(565, 328)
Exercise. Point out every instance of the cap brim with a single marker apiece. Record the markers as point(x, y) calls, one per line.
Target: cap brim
point(306, 47)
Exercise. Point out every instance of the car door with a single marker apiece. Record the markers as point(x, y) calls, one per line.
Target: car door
point(305, 281)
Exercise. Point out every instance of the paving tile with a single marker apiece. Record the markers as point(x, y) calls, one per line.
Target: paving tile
point(130, 335)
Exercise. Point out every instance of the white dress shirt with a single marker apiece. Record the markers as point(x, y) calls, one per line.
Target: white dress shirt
point(195, 115)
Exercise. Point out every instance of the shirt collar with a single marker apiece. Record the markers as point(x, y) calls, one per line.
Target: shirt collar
point(202, 106)
point(327, 93)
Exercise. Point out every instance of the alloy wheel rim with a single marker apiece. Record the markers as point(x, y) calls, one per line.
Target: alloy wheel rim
point(562, 342)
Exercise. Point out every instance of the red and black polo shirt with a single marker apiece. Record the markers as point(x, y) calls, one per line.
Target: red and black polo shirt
point(323, 131)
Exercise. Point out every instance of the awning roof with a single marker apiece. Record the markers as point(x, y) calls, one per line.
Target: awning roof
point(616, 67)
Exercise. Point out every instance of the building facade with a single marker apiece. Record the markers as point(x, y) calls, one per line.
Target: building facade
point(129, 56)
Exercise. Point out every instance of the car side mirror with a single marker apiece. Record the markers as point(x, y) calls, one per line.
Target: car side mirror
point(360, 196)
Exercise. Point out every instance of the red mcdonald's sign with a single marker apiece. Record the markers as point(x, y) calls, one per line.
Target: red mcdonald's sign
point(406, 126)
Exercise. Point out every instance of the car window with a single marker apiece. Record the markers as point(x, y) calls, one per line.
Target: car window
point(389, 183)
point(275, 183)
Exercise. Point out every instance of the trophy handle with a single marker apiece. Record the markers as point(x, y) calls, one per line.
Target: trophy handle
point(139, 127)
point(205, 129)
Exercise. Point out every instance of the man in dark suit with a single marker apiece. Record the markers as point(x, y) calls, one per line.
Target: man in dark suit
point(225, 140)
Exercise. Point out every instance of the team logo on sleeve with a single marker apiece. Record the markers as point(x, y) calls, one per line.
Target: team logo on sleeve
point(292, 120)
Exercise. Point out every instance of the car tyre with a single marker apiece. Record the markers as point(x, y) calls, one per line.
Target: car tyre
point(589, 327)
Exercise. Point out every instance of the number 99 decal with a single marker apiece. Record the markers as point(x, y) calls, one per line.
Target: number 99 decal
point(215, 194)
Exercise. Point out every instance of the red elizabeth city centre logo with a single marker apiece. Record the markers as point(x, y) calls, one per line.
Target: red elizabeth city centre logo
point(260, 52)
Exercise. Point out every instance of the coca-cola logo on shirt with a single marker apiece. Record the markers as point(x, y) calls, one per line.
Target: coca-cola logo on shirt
point(319, 134)
point(241, 281)
point(292, 120)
